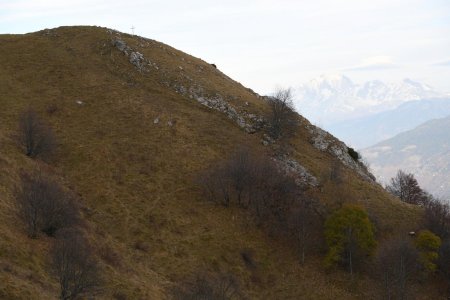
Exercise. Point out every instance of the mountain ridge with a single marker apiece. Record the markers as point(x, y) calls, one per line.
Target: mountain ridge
point(423, 151)
point(386, 124)
point(330, 99)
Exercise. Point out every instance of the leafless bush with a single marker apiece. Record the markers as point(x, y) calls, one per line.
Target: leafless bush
point(252, 182)
point(239, 167)
point(282, 119)
point(277, 192)
point(44, 205)
point(75, 265)
point(444, 262)
point(437, 217)
point(397, 264)
point(405, 187)
point(209, 287)
point(215, 184)
point(34, 136)
point(304, 225)
point(271, 196)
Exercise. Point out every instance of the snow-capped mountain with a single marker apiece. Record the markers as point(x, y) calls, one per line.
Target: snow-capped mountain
point(329, 99)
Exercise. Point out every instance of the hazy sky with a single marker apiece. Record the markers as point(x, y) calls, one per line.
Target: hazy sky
point(263, 43)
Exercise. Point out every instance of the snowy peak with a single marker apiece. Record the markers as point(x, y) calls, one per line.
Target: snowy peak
point(331, 82)
point(332, 98)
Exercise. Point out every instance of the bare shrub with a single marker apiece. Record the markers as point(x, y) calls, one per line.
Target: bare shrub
point(209, 287)
point(437, 217)
point(34, 136)
point(444, 262)
point(215, 184)
point(397, 264)
point(75, 265)
point(304, 226)
point(239, 167)
point(44, 205)
point(405, 187)
point(250, 181)
point(282, 119)
point(270, 195)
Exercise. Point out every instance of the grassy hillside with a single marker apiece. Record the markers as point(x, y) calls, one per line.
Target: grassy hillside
point(131, 143)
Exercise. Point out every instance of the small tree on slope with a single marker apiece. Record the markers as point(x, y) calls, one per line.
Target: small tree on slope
point(349, 235)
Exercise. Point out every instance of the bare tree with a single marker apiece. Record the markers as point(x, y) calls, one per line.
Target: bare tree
point(444, 262)
point(437, 217)
point(74, 263)
point(215, 183)
point(239, 169)
point(397, 264)
point(303, 225)
point(405, 187)
point(271, 192)
point(36, 138)
point(282, 118)
point(44, 205)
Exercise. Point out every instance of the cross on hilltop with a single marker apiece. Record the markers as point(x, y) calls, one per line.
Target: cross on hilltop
point(132, 29)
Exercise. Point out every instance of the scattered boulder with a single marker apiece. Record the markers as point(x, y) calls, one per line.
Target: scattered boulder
point(121, 45)
point(137, 59)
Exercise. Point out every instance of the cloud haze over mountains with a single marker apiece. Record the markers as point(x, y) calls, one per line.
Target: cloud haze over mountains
point(367, 131)
point(408, 123)
point(328, 100)
point(423, 151)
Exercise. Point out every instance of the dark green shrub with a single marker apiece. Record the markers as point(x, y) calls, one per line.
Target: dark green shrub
point(354, 154)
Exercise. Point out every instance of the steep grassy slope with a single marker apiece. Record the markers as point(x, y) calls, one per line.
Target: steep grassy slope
point(131, 143)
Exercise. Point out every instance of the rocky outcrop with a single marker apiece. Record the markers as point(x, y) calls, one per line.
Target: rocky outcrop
point(294, 168)
point(249, 122)
point(137, 59)
point(325, 142)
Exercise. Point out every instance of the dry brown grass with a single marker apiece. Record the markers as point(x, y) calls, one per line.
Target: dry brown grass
point(135, 178)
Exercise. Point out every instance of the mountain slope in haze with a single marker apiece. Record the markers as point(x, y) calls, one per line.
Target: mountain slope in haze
point(367, 131)
point(423, 151)
point(136, 122)
point(330, 99)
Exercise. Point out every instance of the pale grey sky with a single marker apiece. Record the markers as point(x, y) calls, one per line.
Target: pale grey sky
point(268, 43)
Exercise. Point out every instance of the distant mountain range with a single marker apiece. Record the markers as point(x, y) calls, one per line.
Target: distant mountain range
point(423, 151)
point(330, 99)
point(367, 131)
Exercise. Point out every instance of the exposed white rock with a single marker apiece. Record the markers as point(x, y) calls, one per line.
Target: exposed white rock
point(293, 167)
point(325, 142)
point(134, 57)
point(137, 59)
